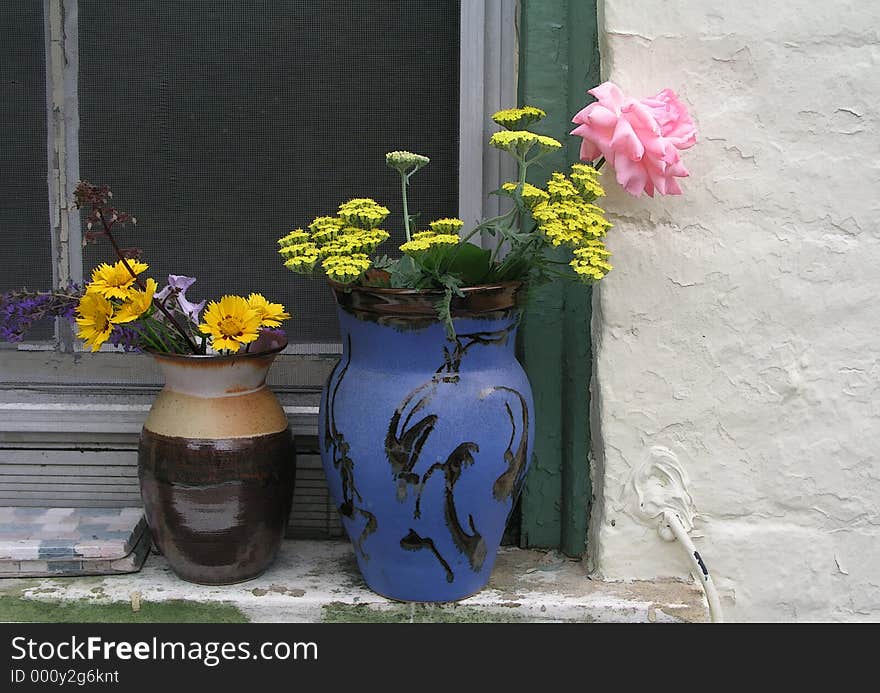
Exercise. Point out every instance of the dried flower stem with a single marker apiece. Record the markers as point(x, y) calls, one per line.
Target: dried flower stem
point(107, 226)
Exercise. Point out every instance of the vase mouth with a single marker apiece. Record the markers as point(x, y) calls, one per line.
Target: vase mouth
point(269, 347)
point(418, 307)
point(477, 288)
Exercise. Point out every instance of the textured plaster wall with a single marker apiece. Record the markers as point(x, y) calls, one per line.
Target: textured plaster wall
point(740, 329)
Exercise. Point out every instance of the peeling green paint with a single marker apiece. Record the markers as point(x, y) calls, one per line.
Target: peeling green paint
point(559, 61)
point(17, 609)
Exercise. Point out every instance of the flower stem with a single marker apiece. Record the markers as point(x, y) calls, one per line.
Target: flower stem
point(140, 284)
point(403, 181)
point(151, 342)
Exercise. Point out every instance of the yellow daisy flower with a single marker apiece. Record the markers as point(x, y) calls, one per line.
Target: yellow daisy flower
point(230, 323)
point(114, 281)
point(271, 314)
point(137, 302)
point(94, 320)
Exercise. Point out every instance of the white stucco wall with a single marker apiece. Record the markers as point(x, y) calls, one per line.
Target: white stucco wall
point(740, 328)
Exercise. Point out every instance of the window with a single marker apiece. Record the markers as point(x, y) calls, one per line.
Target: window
point(219, 124)
point(24, 204)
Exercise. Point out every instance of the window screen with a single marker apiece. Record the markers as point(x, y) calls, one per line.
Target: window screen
point(25, 246)
point(222, 124)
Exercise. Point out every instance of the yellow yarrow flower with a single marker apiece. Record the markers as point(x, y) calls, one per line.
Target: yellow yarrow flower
point(559, 233)
point(425, 243)
point(326, 235)
point(299, 252)
point(518, 118)
point(560, 188)
point(586, 180)
point(95, 319)
point(419, 235)
point(304, 263)
point(346, 268)
point(295, 237)
point(289, 251)
point(446, 226)
point(341, 246)
point(354, 240)
point(114, 281)
point(137, 302)
point(570, 222)
point(326, 223)
point(594, 221)
point(590, 261)
point(352, 234)
point(402, 160)
point(519, 142)
point(271, 314)
point(531, 194)
point(324, 229)
point(363, 213)
point(230, 323)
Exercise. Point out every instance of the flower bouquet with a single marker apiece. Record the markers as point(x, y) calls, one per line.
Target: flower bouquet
point(426, 424)
point(121, 307)
point(216, 462)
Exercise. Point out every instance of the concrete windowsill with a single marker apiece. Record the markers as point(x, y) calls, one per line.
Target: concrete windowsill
point(314, 581)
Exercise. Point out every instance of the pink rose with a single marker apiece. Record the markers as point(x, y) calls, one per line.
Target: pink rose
point(640, 138)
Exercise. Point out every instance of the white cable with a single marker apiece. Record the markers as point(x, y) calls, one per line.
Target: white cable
point(673, 523)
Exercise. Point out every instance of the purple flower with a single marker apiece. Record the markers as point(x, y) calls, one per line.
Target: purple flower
point(125, 337)
point(176, 289)
point(20, 309)
point(176, 281)
point(270, 338)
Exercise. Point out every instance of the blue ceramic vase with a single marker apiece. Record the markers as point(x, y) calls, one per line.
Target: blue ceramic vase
point(425, 441)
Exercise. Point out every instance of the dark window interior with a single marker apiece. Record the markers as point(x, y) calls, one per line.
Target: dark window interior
point(222, 124)
point(25, 248)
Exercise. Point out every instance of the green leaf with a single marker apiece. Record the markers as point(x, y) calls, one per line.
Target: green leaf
point(465, 261)
point(454, 284)
point(383, 262)
point(404, 273)
point(444, 312)
point(513, 270)
point(451, 286)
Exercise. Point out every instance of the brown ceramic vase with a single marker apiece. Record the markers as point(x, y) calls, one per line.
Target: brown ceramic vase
point(216, 466)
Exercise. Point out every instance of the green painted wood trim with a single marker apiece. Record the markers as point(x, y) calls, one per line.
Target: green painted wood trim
point(559, 61)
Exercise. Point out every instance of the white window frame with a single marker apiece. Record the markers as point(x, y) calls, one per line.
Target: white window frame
point(54, 395)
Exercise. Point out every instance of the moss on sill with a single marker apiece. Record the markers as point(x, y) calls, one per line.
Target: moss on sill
point(17, 609)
